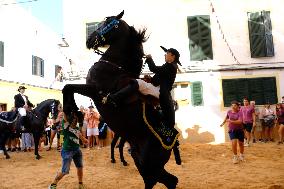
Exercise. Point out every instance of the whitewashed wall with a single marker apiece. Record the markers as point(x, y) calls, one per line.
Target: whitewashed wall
point(209, 116)
point(24, 36)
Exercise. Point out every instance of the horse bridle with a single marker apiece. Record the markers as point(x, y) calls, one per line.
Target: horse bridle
point(102, 31)
point(52, 109)
point(40, 116)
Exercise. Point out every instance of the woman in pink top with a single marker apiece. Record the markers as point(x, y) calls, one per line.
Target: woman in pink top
point(92, 119)
point(236, 132)
point(280, 119)
point(248, 114)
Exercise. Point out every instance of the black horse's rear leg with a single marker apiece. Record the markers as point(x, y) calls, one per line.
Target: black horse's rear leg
point(112, 146)
point(151, 177)
point(144, 170)
point(121, 146)
point(36, 140)
point(6, 153)
point(169, 180)
point(3, 139)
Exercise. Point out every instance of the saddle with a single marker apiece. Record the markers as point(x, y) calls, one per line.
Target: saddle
point(8, 117)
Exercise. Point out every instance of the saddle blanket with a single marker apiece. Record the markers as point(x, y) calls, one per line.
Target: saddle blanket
point(8, 117)
point(167, 136)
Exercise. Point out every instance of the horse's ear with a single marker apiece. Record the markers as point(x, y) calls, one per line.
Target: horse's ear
point(57, 102)
point(120, 15)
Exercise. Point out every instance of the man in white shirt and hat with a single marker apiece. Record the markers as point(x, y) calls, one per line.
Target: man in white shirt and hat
point(22, 104)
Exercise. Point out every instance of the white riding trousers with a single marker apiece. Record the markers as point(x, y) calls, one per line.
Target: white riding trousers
point(148, 88)
point(22, 111)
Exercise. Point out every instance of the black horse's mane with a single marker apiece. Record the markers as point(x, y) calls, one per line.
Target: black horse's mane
point(47, 100)
point(140, 35)
point(136, 39)
point(135, 49)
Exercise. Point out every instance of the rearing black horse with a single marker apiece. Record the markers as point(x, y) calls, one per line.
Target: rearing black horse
point(36, 120)
point(122, 62)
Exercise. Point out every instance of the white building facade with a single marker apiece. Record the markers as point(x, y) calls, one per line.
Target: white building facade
point(29, 56)
point(229, 50)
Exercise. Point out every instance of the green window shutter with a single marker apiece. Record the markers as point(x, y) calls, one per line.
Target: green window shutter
point(90, 28)
point(256, 90)
point(261, 90)
point(268, 33)
point(199, 34)
point(243, 89)
point(260, 34)
point(196, 94)
point(229, 91)
point(270, 90)
point(1, 53)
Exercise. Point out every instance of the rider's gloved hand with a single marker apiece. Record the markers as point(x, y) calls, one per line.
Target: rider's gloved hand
point(149, 59)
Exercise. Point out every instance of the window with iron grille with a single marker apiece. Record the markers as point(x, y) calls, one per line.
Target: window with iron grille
point(262, 90)
point(199, 34)
point(1, 53)
point(90, 28)
point(37, 66)
point(260, 34)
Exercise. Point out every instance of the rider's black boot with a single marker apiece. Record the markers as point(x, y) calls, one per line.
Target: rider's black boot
point(22, 123)
point(177, 153)
point(116, 98)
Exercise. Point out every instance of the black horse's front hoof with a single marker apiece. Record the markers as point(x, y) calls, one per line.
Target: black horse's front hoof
point(8, 157)
point(124, 163)
point(112, 161)
point(38, 157)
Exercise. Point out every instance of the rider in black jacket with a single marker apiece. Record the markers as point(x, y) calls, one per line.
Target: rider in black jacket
point(22, 104)
point(164, 77)
point(161, 86)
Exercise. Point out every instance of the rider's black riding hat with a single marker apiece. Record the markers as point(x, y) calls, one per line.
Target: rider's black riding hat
point(21, 87)
point(174, 52)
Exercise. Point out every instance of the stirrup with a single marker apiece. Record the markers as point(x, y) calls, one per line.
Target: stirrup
point(108, 100)
point(105, 99)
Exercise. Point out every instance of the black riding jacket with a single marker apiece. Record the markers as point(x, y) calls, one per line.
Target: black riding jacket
point(165, 75)
point(20, 102)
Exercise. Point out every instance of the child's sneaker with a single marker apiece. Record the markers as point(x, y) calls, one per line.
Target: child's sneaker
point(247, 144)
point(235, 159)
point(242, 157)
point(52, 186)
